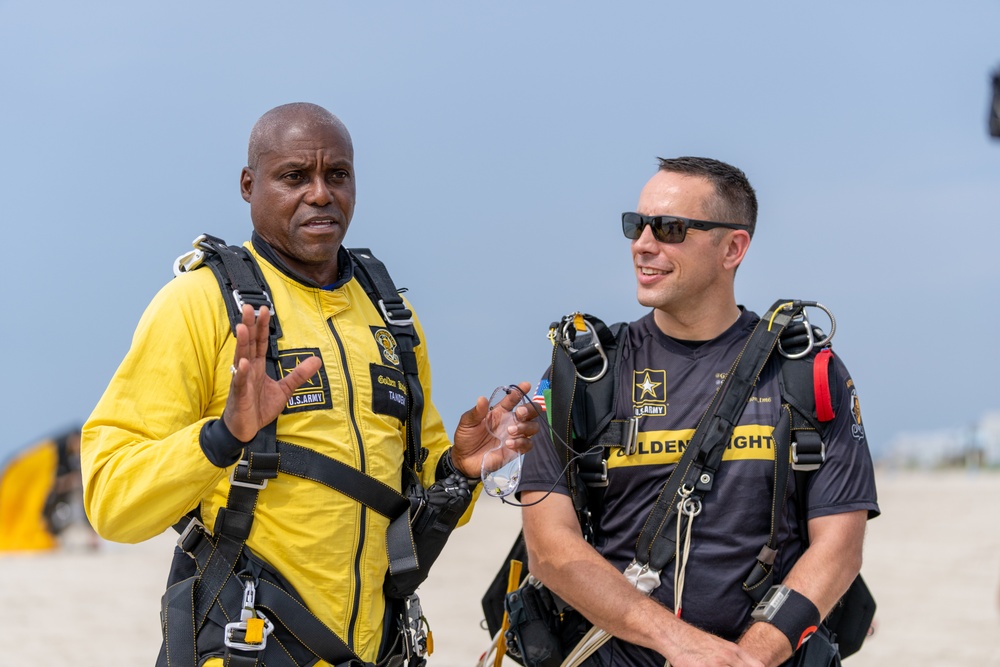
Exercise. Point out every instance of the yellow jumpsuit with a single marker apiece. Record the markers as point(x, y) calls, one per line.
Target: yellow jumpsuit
point(143, 467)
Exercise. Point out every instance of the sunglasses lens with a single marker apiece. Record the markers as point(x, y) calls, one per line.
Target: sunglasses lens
point(669, 230)
point(665, 229)
point(632, 225)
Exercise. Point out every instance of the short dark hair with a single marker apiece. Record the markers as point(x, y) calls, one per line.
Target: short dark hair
point(735, 199)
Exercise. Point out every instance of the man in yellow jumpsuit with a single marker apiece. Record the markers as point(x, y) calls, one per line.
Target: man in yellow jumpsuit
point(172, 424)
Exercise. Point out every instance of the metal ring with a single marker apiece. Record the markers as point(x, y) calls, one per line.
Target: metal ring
point(813, 343)
point(690, 507)
point(596, 344)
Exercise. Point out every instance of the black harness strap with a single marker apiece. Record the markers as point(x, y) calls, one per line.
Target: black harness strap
point(584, 391)
point(308, 464)
point(374, 277)
point(276, 603)
point(761, 576)
point(383, 499)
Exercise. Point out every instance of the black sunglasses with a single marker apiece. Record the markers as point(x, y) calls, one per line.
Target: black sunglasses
point(667, 228)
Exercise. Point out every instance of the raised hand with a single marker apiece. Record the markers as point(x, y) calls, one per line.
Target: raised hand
point(255, 399)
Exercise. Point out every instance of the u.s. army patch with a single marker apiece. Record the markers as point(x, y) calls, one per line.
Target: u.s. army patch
point(314, 394)
point(649, 392)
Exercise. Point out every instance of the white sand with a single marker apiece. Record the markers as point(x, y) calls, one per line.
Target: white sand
point(932, 561)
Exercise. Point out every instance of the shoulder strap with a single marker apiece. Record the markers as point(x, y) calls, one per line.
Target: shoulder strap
point(806, 390)
point(583, 379)
point(374, 277)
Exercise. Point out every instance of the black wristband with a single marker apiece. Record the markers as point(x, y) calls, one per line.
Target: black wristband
point(789, 611)
point(221, 447)
point(446, 468)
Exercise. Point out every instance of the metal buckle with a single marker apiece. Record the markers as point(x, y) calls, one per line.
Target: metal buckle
point(567, 323)
point(192, 259)
point(248, 613)
point(806, 467)
point(389, 319)
point(598, 481)
point(631, 443)
point(249, 485)
point(238, 298)
point(193, 525)
point(231, 629)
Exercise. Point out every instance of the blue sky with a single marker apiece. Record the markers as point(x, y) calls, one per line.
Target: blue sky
point(497, 143)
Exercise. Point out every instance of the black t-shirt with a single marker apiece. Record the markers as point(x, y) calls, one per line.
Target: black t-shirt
point(669, 385)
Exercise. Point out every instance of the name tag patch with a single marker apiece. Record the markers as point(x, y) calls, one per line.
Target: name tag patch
point(389, 395)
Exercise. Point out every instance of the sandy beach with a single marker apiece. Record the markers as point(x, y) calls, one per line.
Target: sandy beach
point(932, 560)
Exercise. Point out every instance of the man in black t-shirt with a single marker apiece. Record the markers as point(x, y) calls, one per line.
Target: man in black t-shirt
point(695, 219)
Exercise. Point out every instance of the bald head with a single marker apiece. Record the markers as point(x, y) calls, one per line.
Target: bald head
point(302, 115)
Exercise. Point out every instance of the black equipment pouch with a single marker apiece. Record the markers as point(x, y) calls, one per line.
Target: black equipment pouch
point(434, 513)
point(542, 629)
point(852, 617)
point(534, 625)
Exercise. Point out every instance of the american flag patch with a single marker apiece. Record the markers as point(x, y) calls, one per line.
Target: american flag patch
point(539, 397)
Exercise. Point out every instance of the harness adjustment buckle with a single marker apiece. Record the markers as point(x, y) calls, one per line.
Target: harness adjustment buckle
point(195, 530)
point(246, 481)
point(594, 478)
point(416, 632)
point(241, 301)
point(631, 444)
point(808, 451)
point(396, 314)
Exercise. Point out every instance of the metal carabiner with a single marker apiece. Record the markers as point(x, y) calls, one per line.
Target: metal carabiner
point(570, 321)
point(192, 259)
point(810, 335)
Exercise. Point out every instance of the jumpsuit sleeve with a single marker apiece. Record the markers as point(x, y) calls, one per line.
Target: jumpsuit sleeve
point(142, 464)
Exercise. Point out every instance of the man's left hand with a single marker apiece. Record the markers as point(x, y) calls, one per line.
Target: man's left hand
point(472, 440)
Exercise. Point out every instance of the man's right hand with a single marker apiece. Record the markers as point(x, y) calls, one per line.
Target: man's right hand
point(255, 400)
point(692, 647)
